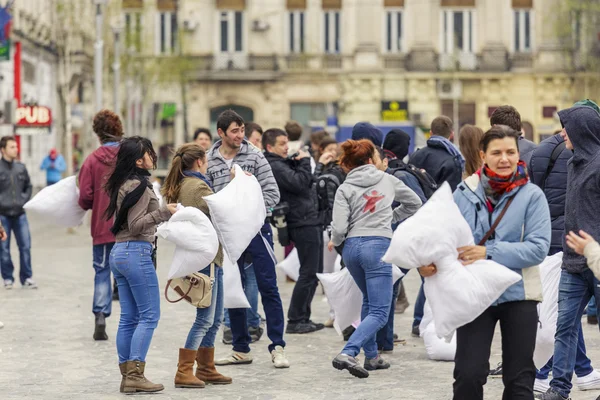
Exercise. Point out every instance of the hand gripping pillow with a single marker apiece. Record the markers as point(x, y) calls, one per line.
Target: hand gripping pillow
point(457, 294)
point(550, 271)
point(195, 240)
point(345, 298)
point(237, 212)
point(233, 295)
point(59, 203)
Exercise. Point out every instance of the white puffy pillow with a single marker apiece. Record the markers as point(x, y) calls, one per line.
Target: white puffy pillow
point(237, 212)
point(437, 348)
point(457, 294)
point(233, 296)
point(291, 265)
point(550, 271)
point(195, 240)
point(59, 203)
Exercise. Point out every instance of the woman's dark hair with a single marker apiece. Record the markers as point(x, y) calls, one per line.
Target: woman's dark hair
point(469, 142)
point(107, 126)
point(356, 153)
point(183, 161)
point(199, 131)
point(328, 141)
point(499, 132)
point(130, 150)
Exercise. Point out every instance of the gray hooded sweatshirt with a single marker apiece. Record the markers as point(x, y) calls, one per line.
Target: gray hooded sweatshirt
point(363, 204)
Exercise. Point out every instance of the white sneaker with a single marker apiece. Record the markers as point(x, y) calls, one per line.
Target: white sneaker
point(8, 284)
point(235, 358)
point(279, 359)
point(589, 382)
point(29, 284)
point(541, 385)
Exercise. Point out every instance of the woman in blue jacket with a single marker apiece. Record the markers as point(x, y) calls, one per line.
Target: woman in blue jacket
point(520, 242)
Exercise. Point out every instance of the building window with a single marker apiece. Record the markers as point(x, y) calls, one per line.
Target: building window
point(133, 30)
point(393, 32)
point(232, 31)
point(296, 31)
point(458, 31)
point(332, 32)
point(167, 33)
point(522, 30)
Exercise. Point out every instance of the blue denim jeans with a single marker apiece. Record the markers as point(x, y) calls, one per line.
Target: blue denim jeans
point(419, 306)
point(591, 307)
point(251, 291)
point(266, 279)
point(583, 365)
point(139, 296)
point(20, 227)
point(574, 292)
point(102, 281)
point(362, 256)
point(208, 320)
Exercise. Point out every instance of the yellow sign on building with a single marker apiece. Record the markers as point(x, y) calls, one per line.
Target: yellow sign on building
point(394, 110)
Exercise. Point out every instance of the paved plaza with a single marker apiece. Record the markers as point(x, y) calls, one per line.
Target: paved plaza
point(47, 351)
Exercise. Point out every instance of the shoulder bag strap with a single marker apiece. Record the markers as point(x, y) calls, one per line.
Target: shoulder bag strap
point(555, 154)
point(181, 298)
point(496, 223)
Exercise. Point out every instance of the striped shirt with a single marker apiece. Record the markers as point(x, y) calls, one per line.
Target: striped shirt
point(250, 159)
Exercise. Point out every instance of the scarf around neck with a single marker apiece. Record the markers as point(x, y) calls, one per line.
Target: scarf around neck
point(199, 175)
point(131, 198)
point(450, 148)
point(496, 185)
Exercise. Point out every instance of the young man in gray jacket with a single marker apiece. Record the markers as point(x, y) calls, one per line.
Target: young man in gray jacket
point(232, 149)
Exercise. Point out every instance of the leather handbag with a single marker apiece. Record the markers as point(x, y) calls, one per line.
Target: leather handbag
point(196, 288)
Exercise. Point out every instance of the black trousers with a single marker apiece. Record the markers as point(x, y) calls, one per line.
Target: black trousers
point(308, 240)
point(518, 325)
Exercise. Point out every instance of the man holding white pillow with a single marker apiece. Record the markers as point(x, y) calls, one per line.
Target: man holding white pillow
point(232, 149)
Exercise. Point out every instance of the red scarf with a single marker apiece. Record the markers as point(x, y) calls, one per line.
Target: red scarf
point(496, 185)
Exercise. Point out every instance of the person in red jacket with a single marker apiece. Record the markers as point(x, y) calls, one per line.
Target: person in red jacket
point(92, 177)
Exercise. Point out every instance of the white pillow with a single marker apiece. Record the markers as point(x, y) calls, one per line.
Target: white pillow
point(195, 240)
point(437, 348)
point(59, 203)
point(457, 294)
point(237, 212)
point(550, 271)
point(291, 265)
point(234, 296)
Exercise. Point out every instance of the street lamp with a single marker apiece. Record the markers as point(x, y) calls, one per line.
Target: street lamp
point(98, 46)
point(117, 28)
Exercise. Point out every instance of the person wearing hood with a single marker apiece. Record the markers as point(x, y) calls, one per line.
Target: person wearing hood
point(581, 132)
point(362, 219)
point(54, 164)
point(364, 130)
point(297, 188)
point(441, 159)
point(92, 177)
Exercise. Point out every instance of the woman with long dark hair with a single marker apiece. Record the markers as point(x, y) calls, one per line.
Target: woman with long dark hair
point(137, 213)
point(362, 219)
point(469, 142)
point(187, 184)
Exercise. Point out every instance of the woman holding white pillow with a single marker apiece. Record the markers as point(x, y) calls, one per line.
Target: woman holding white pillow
point(510, 220)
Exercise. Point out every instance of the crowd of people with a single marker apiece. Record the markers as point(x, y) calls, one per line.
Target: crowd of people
point(522, 202)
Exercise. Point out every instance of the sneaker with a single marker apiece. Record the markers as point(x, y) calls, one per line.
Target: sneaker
point(29, 284)
point(278, 357)
point(376, 363)
point(329, 323)
point(8, 284)
point(401, 305)
point(541, 385)
point(592, 319)
point(344, 361)
point(227, 336)
point(551, 394)
point(300, 328)
point(255, 334)
point(236, 358)
point(317, 325)
point(398, 340)
point(348, 332)
point(589, 382)
point(100, 328)
point(415, 331)
point(496, 372)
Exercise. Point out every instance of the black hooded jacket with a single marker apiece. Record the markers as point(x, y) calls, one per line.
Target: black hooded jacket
point(438, 163)
point(583, 193)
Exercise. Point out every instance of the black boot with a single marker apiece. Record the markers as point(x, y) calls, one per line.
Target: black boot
point(100, 331)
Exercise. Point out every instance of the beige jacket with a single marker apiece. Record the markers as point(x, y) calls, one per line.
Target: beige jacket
point(592, 253)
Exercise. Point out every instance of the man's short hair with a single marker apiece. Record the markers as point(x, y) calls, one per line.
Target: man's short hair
point(198, 131)
point(228, 117)
point(251, 127)
point(270, 136)
point(318, 136)
point(4, 141)
point(507, 115)
point(293, 130)
point(441, 126)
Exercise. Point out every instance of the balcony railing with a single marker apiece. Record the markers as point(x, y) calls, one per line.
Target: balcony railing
point(394, 61)
point(458, 62)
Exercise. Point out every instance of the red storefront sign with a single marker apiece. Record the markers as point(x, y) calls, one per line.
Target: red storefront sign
point(33, 116)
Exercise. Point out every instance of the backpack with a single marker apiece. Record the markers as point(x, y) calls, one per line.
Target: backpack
point(331, 179)
point(427, 183)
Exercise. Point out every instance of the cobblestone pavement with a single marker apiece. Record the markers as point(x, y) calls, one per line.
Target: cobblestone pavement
point(47, 351)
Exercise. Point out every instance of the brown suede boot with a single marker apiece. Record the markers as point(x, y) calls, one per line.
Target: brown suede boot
point(123, 368)
point(206, 370)
point(135, 381)
point(185, 370)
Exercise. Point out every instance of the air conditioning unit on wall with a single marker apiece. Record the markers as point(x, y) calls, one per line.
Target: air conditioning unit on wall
point(259, 25)
point(189, 25)
point(449, 89)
